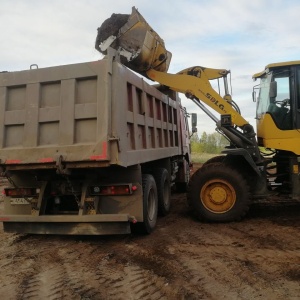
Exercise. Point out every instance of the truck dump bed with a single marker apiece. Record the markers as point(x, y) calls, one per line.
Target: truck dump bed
point(84, 115)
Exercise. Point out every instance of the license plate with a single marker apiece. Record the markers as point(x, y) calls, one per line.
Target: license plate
point(18, 201)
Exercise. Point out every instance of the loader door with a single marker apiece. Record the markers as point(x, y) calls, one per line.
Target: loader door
point(278, 109)
point(277, 99)
point(297, 98)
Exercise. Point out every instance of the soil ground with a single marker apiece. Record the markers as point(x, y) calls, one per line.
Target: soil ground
point(258, 258)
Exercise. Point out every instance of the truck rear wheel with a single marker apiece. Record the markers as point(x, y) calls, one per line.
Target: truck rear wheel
point(218, 193)
point(149, 204)
point(163, 185)
point(184, 175)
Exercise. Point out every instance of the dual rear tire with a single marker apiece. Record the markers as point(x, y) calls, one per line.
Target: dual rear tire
point(150, 203)
point(156, 198)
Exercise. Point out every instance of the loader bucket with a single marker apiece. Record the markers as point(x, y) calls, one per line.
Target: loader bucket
point(139, 46)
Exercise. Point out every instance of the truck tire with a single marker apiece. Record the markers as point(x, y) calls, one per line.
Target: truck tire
point(181, 186)
point(150, 206)
point(218, 193)
point(163, 185)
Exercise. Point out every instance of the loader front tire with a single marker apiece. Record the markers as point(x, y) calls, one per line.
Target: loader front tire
point(218, 193)
point(214, 159)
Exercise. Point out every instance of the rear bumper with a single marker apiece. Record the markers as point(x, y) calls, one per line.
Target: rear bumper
point(71, 225)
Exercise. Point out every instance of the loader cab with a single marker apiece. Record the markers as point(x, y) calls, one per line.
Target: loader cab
point(278, 104)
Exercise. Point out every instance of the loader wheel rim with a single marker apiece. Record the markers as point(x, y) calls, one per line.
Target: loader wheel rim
point(218, 196)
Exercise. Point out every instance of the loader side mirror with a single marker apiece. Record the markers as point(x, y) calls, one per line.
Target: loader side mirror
point(273, 89)
point(194, 122)
point(256, 87)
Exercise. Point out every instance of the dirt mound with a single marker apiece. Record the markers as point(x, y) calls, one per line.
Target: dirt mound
point(110, 27)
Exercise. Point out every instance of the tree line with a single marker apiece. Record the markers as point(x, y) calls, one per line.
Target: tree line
point(208, 143)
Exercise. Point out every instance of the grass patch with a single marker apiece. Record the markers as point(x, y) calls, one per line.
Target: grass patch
point(202, 157)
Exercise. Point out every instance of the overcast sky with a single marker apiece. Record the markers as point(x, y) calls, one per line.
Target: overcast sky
point(240, 35)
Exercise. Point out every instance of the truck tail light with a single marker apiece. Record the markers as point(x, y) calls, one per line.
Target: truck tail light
point(108, 190)
point(20, 192)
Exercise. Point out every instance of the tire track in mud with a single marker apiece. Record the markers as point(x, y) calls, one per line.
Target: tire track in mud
point(143, 285)
point(257, 233)
point(143, 270)
point(83, 271)
point(47, 277)
point(250, 258)
point(272, 235)
point(116, 275)
point(228, 271)
point(15, 263)
point(164, 265)
point(133, 270)
point(197, 276)
point(181, 259)
point(261, 254)
point(117, 269)
point(44, 283)
point(59, 276)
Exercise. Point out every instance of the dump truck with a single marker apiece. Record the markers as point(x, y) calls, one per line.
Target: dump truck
point(254, 165)
point(89, 148)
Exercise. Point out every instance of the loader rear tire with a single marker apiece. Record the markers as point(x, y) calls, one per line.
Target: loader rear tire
point(214, 159)
point(218, 193)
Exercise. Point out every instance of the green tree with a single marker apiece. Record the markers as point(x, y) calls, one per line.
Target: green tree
point(203, 138)
point(208, 143)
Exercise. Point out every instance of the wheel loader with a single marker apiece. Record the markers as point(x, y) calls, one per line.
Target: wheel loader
point(254, 165)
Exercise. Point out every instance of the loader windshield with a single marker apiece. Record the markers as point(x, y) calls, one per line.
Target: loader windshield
point(263, 98)
point(274, 98)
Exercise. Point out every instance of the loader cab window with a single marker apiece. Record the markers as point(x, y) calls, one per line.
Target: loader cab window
point(275, 98)
point(263, 98)
point(298, 88)
point(280, 105)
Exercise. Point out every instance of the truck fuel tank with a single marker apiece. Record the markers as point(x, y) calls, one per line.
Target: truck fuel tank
point(139, 46)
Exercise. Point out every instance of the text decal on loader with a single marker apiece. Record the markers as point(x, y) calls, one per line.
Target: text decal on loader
point(216, 102)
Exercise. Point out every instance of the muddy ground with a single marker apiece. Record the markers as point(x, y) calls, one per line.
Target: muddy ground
point(258, 258)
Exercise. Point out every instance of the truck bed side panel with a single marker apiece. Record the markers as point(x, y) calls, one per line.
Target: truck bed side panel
point(88, 112)
point(149, 130)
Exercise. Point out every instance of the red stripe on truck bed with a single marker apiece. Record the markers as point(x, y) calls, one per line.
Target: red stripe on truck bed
point(46, 160)
point(12, 161)
point(103, 155)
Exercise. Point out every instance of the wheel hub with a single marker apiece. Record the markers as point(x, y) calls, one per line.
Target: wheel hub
point(218, 196)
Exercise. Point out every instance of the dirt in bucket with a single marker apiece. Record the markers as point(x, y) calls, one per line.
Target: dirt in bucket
point(109, 28)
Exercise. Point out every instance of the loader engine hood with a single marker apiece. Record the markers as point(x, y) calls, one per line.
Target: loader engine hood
point(139, 46)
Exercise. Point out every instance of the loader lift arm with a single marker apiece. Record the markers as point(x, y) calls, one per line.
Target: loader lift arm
point(194, 83)
point(142, 50)
point(220, 190)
